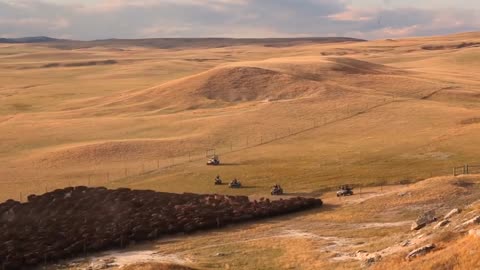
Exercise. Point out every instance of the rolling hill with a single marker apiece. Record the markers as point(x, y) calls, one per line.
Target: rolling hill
point(310, 114)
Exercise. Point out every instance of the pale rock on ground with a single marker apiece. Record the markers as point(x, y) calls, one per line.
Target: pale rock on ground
point(420, 251)
point(452, 213)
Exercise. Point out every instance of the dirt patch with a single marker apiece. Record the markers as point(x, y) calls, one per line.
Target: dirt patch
point(80, 64)
point(451, 46)
point(138, 259)
point(470, 121)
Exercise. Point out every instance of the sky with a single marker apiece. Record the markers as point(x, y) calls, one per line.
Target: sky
point(368, 19)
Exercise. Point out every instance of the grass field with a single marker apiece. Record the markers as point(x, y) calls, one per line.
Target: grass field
point(317, 115)
point(310, 116)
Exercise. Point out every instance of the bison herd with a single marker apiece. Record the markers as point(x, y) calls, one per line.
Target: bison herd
point(74, 221)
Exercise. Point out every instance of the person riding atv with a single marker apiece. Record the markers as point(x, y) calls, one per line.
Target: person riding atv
point(235, 183)
point(345, 190)
point(277, 190)
point(218, 180)
point(213, 160)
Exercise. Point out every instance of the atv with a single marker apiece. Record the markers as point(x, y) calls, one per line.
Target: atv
point(277, 190)
point(345, 191)
point(213, 161)
point(235, 184)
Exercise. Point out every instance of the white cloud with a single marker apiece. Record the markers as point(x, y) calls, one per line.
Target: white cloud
point(118, 5)
point(96, 19)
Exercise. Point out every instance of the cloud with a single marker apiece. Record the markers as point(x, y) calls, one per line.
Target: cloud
point(352, 15)
point(97, 19)
point(119, 5)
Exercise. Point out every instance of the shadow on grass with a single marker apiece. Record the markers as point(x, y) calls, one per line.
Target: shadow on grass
point(247, 187)
point(229, 164)
point(315, 193)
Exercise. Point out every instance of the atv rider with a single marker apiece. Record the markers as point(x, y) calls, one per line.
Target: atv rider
point(235, 183)
point(276, 189)
point(218, 180)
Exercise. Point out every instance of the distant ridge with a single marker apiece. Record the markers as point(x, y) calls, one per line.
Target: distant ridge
point(39, 39)
point(171, 43)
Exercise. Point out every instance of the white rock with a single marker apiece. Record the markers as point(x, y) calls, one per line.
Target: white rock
point(475, 220)
point(420, 251)
point(452, 213)
point(441, 224)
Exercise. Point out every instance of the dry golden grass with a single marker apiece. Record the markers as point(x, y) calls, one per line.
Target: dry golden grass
point(310, 117)
point(459, 254)
point(384, 111)
point(328, 238)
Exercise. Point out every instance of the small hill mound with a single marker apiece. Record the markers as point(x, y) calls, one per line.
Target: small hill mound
point(236, 84)
point(275, 79)
point(219, 87)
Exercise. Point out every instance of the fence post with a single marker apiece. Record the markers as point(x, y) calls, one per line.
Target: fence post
point(466, 169)
point(454, 171)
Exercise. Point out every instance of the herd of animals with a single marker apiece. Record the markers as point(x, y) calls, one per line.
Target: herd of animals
point(76, 221)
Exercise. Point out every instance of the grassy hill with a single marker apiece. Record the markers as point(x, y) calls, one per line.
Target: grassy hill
point(310, 116)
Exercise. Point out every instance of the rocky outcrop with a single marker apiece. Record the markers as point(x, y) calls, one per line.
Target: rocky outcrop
point(420, 251)
point(423, 220)
point(74, 221)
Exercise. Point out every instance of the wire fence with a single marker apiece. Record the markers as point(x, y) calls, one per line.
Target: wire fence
point(466, 169)
point(102, 176)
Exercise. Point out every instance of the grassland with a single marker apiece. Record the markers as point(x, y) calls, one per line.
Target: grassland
point(310, 116)
point(366, 113)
